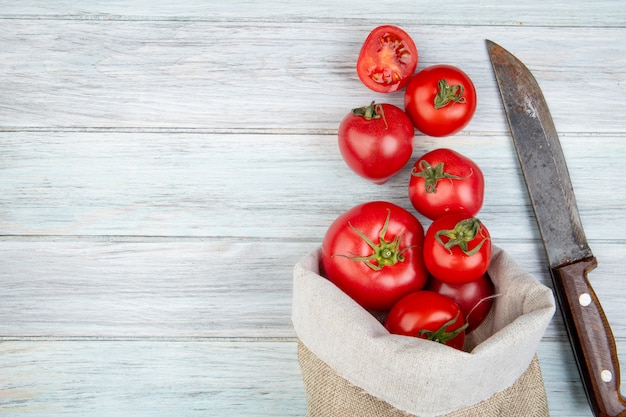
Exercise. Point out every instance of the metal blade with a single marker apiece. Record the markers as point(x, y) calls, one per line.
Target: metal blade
point(541, 159)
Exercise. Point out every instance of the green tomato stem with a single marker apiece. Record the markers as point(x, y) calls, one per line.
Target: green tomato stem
point(463, 232)
point(385, 253)
point(432, 175)
point(372, 112)
point(441, 335)
point(449, 94)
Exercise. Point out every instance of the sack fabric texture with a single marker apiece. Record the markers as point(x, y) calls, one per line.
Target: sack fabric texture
point(353, 367)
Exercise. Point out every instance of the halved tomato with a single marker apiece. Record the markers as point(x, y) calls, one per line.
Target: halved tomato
point(387, 60)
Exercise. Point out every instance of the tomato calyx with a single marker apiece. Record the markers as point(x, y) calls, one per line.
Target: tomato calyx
point(448, 94)
point(441, 335)
point(372, 112)
point(463, 232)
point(432, 175)
point(386, 253)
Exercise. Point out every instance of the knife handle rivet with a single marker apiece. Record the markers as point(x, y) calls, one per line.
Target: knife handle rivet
point(606, 375)
point(584, 299)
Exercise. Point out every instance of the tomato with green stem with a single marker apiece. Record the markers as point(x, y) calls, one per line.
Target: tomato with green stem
point(428, 315)
point(444, 181)
point(376, 141)
point(373, 253)
point(457, 249)
point(387, 60)
point(440, 100)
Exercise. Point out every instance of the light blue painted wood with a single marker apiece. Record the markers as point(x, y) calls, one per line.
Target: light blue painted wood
point(163, 166)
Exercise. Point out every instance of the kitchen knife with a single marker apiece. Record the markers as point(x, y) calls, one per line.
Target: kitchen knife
point(569, 256)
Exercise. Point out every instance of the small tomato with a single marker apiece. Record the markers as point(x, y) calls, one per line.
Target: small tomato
point(457, 249)
point(444, 181)
point(440, 100)
point(376, 141)
point(475, 298)
point(428, 315)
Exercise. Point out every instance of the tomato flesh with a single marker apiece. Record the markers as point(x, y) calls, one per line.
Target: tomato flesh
point(387, 60)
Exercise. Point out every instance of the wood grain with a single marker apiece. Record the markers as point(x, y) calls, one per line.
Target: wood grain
point(180, 74)
point(163, 167)
point(192, 377)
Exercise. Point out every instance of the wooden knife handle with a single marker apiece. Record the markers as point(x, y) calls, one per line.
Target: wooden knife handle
point(591, 338)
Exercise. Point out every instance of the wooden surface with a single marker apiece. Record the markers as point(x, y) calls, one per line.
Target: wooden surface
point(163, 166)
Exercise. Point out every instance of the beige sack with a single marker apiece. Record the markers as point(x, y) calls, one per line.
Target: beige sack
point(353, 367)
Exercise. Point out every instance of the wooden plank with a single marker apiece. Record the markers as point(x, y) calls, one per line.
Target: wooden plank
point(188, 75)
point(150, 378)
point(186, 288)
point(269, 186)
point(163, 288)
point(492, 12)
point(194, 378)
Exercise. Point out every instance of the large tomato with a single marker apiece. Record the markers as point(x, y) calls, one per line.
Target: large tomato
point(376, 141)
point(475, 298)
point(373, 252)
point(387, 59)
point(441, 100)
point(444, 181)
point(457, 248)
point(428, 315)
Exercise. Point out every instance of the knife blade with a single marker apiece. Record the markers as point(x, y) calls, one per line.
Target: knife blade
point(570, 259)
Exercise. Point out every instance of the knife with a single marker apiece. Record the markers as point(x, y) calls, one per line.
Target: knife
point(569, 256)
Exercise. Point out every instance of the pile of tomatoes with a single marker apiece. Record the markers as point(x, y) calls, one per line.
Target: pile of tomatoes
point(431, 284)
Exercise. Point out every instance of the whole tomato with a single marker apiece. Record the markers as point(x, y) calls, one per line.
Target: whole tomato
point(440, 100)
point(457, 248)
point(373, 252)
point(387, 59)
point(443, 181)
point(376, 141)
point(475, 298)
point(428, 315)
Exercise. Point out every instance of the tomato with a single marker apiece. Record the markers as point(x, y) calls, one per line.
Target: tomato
point(457, 249)
point(376, 141)
point(428, 315)
point(440, 100)
point(387, 59)
point(475, 298)
point(444, 181)
point(373, 252)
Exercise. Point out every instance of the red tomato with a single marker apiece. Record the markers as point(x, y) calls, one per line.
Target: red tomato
point(428, 315)
point(457, 249)
point(376, 141)
point(373, 252)
point(387, 60)
point(474, 298)
point(444, 181)
point(440, 100)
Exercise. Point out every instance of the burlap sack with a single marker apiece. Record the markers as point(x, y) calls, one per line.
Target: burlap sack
point(352, 367)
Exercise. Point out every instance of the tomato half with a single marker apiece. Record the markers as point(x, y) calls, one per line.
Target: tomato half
point(376, 141)
point(428, 315)
point(457, 249)
point(475, 298)
point(373, 252)
point(440, 100)
point(444, 181)
point(387, 60)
